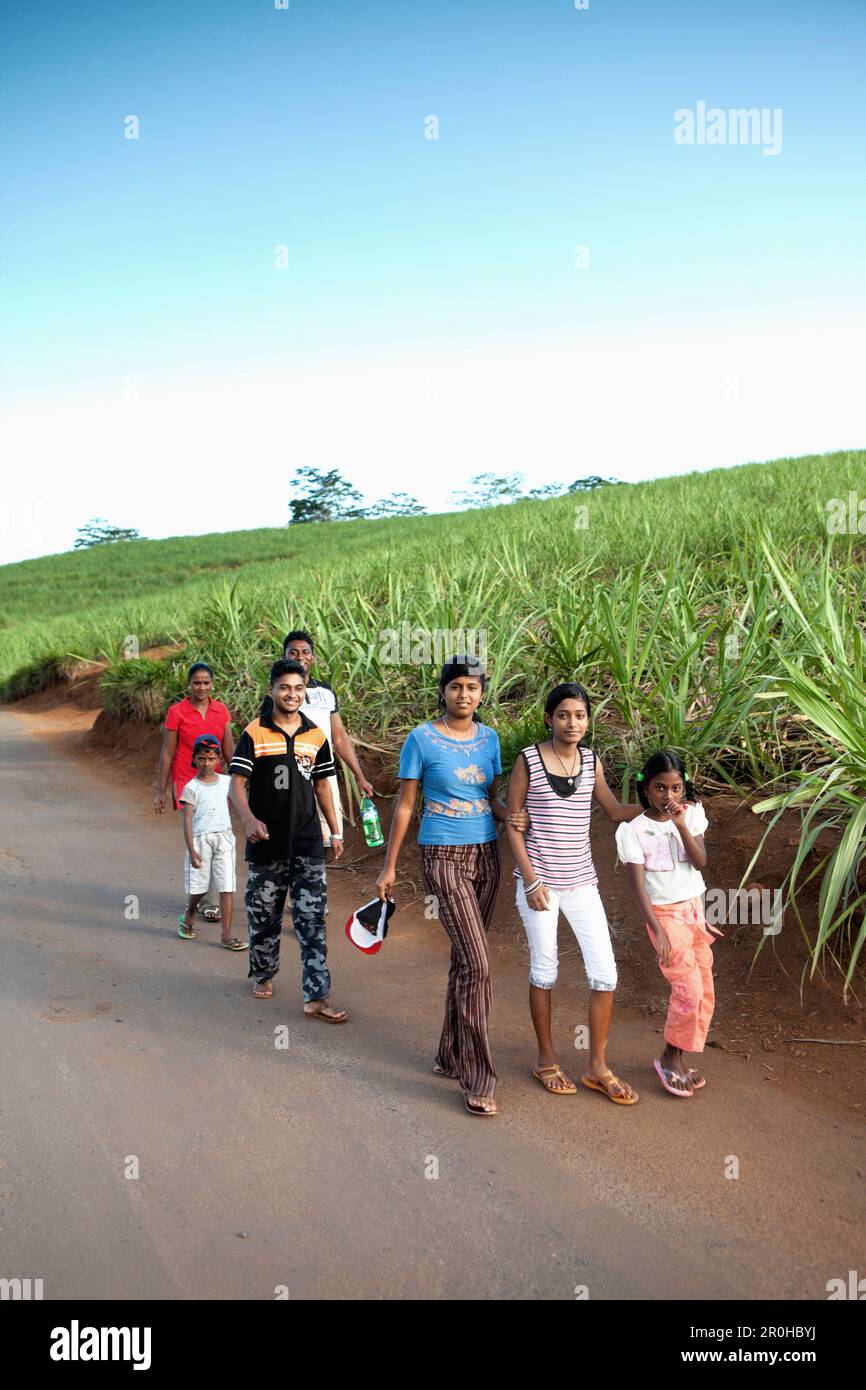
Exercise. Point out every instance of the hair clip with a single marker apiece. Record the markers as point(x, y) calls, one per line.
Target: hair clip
point(639, 777)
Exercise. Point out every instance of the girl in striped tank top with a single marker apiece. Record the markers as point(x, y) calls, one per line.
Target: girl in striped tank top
point(555, 783)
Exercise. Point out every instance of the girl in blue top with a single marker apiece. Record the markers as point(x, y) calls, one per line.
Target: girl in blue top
point(455, 761)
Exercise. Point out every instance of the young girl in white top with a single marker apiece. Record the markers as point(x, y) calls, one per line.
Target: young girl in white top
point(664, 851)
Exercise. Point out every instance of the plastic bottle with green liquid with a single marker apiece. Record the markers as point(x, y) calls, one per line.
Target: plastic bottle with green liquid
point(371, 823)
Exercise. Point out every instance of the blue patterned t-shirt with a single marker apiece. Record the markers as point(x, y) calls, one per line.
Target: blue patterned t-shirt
point(455, 775)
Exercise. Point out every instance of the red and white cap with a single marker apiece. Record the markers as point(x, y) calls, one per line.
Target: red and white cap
point(368, 927)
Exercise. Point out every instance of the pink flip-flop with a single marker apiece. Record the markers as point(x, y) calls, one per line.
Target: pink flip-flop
point(668, 1071)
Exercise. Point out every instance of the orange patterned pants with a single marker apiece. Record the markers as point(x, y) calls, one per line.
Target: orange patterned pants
point(690, 973)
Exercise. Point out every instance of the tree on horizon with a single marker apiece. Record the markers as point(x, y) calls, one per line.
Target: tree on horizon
point(488, 490)
point(591, 483)
point(323, 496)
point(98, 531)
point(397, 504)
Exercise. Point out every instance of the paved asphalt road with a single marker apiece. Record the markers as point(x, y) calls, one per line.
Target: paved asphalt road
point(306, 1167)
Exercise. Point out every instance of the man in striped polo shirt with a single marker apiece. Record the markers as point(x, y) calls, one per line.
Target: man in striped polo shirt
point(280, 773)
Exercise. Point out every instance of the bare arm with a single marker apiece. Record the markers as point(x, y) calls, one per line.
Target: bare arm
point(325, 798)
point(345, 749)
point(617, 811)
point(694, 848)
point(497, 806)
point(163, 768)
point(692, 844)
point(228, 744)
point(518, 785)
point(194, 857)
point(399, 826)
point(637, 875)
point(255, 829)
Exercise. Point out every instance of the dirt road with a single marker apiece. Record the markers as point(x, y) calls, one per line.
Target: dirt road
point(310, 1168)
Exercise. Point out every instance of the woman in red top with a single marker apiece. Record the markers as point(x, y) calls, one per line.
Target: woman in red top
point(197, 714)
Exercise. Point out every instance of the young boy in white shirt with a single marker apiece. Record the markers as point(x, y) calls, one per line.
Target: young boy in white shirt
point(210, 841)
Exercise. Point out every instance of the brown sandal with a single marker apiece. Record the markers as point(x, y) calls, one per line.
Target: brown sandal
point(263, 989)
point(478, 1105)
point(325, 1011)
point(547, 1074)
point(606, 1084)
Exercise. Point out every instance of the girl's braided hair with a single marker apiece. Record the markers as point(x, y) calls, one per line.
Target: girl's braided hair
point(665, 760)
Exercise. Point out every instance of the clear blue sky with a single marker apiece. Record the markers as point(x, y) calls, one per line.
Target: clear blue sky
point(432, 322)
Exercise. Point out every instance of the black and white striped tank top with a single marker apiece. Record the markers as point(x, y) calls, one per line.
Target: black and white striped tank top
point(557, 842)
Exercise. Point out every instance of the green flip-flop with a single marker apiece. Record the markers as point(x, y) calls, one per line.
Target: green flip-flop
point(188, 933)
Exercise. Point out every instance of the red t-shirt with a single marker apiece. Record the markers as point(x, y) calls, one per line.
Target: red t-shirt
point(190, 723)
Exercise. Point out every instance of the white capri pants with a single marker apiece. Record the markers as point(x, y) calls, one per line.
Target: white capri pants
point(584, 911)
point(216, 849)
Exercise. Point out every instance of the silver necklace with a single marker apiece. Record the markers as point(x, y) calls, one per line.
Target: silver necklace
point(459, 738)
point(562, 764)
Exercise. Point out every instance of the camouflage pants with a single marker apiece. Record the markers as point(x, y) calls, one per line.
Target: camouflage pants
point(303, 880)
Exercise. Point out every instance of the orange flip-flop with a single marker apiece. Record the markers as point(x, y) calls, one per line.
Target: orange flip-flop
point(552, 1073)
point(604, 1083)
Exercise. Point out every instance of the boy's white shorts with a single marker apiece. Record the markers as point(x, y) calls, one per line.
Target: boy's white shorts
point(216, 849)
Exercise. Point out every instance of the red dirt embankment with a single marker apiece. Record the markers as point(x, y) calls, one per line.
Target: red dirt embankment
point(798, 1037)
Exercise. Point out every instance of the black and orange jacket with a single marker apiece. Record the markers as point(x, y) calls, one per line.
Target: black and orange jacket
point(281, 769)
